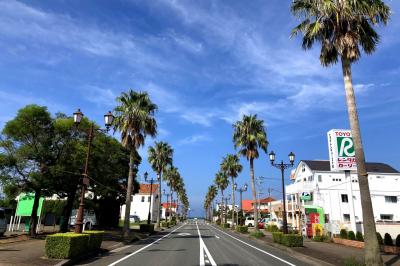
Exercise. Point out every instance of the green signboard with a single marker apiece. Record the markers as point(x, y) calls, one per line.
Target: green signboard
point(25, 204)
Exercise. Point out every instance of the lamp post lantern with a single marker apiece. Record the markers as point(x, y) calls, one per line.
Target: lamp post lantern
point(146, 175)
point(282, 166)
point(77, 116)
point(241, 190)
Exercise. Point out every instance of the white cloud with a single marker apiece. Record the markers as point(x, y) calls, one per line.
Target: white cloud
point(194, 139)
point(98, 95)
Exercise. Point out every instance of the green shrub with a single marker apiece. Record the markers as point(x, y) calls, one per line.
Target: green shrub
point(146, 228)
point(226, 225)
point(351, 235)
point(165, 224)
point(277, 237)
point(95, 239)
point(379, 237)
point(388, 241)
point(172, 223)
point(257, 234)
point(242, 229)
point(292, 240)
point(343, 233)
point(218, 221)
point(67, 245)
point(398, 240)
point(359, 237)
point(320, 238)
point(272, 228)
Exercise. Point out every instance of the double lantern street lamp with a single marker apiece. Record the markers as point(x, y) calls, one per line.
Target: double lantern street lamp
point(282, 166)
point(108, 120)
point(241, 190)
point(151, 193)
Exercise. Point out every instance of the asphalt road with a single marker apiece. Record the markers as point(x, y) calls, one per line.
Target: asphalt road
point(195, 243)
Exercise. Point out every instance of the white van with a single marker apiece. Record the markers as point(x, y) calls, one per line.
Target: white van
point(249, 221)
point(3, 222)
point(89, 219)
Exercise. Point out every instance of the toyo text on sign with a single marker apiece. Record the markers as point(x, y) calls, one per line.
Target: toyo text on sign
point(341, 150)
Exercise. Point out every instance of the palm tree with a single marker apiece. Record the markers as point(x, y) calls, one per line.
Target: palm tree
point(134, 118)
point(160, 156)
point(211, 194)
point(344, 28)
point(232, 167)
point(249, 135)
point(172, 177)
point(222, 182)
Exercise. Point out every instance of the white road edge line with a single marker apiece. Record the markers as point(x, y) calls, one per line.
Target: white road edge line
point(263, 251)
point(137, 251)
point(203, 248)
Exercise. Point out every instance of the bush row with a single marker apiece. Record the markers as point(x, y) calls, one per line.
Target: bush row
point(165, 224)
point(272, 228)
point(289, 240)
point(226, 225)
point(242, 229)
point(257, 234)
point(386, 240)
point(68, 245)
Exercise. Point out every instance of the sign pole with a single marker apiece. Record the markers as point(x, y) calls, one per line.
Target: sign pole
point(351, 201)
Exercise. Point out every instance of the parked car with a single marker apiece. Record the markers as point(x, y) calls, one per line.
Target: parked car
point(89, 219)
point(134, 219)
point(249, 221)
point(3, 222)
point(262, 223)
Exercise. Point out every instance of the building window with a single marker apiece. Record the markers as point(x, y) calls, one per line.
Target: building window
point(319, 178)
point(386, 216)
point(311, 178)
point(305, 179)
point(346, 217)
point(142, 198)
point(148, 199)
point(326, 218)
point(303, 168)
point(345, 198)
point(390, 199)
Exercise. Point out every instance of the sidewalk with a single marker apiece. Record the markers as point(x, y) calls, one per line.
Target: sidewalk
point(31, 251)
point(330, 253)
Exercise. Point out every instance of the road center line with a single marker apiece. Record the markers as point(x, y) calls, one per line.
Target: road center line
point(203, 248)
point(137, 251)
point(263, 251)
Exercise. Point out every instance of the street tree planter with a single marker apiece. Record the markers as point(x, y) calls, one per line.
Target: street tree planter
point(359, 244)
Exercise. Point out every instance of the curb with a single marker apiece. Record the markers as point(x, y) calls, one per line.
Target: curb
point(292, 252)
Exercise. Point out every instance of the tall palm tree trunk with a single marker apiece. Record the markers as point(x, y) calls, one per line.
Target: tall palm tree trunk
point(222, 204)
point(233, 202)
point(253, 188)
point(372, 249)
point(129, 194)
point(159, 199)
point(170, 206)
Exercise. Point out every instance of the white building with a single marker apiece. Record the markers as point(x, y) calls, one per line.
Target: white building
point(337, 196)
point(141, 202)
point(167, 209)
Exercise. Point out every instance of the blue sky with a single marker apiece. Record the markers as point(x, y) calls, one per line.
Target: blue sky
point(205, 63)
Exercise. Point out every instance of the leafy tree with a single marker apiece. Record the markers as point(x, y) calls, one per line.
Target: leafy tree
point(249, 136)
point(134, 118)
point(344, 28)
point(160, 156)
point(29, 148)
point(232, 167)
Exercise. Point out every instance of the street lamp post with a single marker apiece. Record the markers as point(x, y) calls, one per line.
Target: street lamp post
point(282, 166)
point(151, 194)
point(241, 190)
point(108, 120)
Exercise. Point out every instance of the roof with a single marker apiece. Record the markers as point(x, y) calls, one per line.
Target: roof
point(265, 200)
point(145, 188)
point(167, 205)
point(247, 205)
point(320, 165)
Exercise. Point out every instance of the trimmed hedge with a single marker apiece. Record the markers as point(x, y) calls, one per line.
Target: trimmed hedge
point(388, 241)
point(292, 240)
point(379, 237)
point(242, 229)
point(146, 228)
point(277, 237)
point(165, 224)
point(289, 240)
point(95, 239)
point(272, 228)
point(351, 235)
point(66, 245)
point(359, 236)
point(226, 225)
point(343, 234)
point(320, 238)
